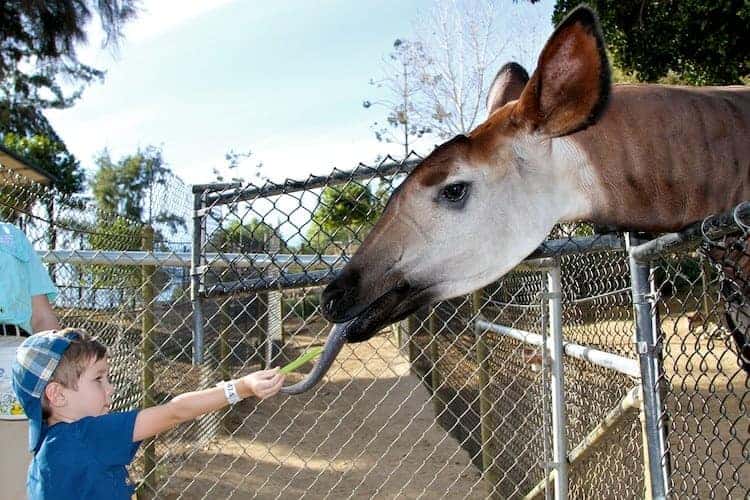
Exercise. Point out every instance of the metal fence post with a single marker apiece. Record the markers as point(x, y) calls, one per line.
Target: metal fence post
point(557, 383)
point(195, 278)
point(487, 422)
point(649, 356)
point(148, 488)
point(274, 323)
point(206, 426)
point(546, 412)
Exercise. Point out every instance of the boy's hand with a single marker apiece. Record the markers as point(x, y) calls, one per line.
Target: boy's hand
point(261, 384)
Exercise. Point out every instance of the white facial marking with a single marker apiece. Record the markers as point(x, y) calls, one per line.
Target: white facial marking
point(509, 211)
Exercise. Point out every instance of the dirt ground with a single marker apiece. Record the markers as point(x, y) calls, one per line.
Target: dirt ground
point(368, 431)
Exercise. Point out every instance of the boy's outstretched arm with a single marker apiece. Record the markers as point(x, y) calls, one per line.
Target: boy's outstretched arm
point(152, 421)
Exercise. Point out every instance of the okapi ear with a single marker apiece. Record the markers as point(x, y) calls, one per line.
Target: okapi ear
point(570, 86)
point(507, 86)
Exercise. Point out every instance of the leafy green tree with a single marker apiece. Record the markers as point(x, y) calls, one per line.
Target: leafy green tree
point(115, 233)
point(251, 237)
point(52, 156)
point(39, 67)
point(686, 41)
point(127, 193)
point(130, 187)
point(342, 215)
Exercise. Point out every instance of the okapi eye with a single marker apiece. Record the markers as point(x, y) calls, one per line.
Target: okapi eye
point(455, 192)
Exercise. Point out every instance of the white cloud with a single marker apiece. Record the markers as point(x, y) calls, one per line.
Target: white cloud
point(155, 18)
point(160, 16)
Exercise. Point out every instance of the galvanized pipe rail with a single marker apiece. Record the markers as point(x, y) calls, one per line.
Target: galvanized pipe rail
point(620, 364)
point(554, 351)
point(233, 193)
point(629, 403)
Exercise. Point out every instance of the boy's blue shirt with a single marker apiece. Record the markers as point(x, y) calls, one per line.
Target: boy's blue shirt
point(85, 459)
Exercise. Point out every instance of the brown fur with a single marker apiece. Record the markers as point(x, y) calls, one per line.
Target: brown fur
point(507, 86)
point(669, 156)
point(569, 88)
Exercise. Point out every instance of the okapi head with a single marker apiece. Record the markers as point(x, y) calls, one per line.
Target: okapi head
point(561, 145)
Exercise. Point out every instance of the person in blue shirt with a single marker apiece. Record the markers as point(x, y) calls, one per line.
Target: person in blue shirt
point(80, 449)
point(25, 286)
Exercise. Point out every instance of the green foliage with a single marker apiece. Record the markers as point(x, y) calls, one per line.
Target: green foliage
point(687, 41)
point(252, 237)
point(39, 68)
point(50, 155)
point(117, 234)
point(343, 213)
point(127, 187)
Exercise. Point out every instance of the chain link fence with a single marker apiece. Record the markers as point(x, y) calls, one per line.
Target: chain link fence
point(459, 401)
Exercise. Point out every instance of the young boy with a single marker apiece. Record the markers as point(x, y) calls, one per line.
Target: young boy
point(80, 449)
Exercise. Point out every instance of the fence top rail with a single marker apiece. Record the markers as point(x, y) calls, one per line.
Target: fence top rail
point(232, 193)
point(711, 228)
point(181, 259)
point(576, 245)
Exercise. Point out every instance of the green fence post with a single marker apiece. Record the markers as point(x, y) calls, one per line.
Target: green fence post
point(147, 489)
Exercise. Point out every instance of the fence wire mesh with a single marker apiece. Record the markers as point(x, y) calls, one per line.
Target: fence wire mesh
point(431, 407)
point(705, 339)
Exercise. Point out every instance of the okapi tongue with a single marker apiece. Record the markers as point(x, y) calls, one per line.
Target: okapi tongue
point(334, 343)
point(357, 329)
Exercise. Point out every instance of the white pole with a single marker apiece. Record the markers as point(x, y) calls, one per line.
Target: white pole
point(557, 386)
point(607, 360)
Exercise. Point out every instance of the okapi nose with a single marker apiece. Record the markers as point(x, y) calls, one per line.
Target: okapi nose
point(340, 296)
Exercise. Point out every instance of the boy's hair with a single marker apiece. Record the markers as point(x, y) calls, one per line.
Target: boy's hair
point(77, 357)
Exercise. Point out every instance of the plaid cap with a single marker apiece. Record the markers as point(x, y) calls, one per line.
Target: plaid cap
point(36, 360)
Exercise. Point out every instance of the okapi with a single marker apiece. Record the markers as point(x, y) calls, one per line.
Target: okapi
point(561, 146)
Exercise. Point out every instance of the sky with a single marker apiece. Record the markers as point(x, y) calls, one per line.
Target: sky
point(283, 79)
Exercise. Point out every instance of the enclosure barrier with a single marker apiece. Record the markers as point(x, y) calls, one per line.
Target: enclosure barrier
point(644, 381)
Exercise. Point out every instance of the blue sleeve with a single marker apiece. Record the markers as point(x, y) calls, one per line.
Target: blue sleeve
point(39, 280)
point(111, 437)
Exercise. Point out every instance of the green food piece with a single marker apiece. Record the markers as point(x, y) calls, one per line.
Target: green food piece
point(304, 358)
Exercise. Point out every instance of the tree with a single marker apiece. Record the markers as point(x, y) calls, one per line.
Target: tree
point(235, 159)
point(343, 213)
point(399, 81)
point(250, 237)
point(52, 156)
point(450, 62)
point(129, 193)
point(39, 68)
point(686, 41)
point(131, 187)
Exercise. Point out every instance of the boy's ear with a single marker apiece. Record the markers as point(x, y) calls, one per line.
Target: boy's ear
point(55, 394)
point(507, 86)
point(570, 86)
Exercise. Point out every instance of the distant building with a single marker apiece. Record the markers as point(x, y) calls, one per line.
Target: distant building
point(23, 168)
